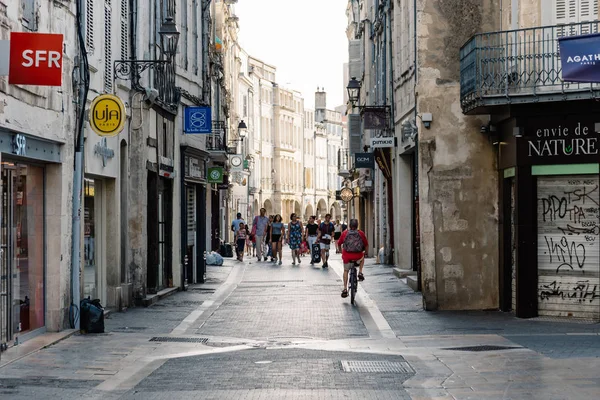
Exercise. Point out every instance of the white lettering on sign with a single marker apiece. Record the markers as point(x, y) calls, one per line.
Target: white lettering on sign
point(51, 57)
point(560, 140)
point(382, 142)
point(19, 145)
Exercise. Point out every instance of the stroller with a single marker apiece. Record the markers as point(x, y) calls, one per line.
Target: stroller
point(304, 248)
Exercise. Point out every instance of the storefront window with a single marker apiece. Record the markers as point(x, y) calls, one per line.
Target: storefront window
point(23, 243)
point(89, 248)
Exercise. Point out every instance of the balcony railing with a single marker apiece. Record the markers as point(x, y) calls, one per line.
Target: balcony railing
point(216, 140)
point(344, 162)
point(519, 66)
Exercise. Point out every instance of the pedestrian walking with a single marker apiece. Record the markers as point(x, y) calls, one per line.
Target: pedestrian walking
point(269, 252)
point(277, 239)
point(295, 233)
point(240, 240)
point(337, 232)
point(326, 229)
point(310, 235)
point(259, 229)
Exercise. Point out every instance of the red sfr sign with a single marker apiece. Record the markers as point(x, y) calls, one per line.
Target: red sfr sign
point(35, 59)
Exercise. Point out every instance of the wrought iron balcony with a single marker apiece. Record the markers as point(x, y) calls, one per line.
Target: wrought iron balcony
point(344, 163)
point(216, 141)
point(519, 66)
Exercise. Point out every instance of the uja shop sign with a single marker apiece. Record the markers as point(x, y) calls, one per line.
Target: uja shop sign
point(563, 141)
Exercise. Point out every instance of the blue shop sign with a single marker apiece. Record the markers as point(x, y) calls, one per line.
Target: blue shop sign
point(197, 120)
point(580, 58)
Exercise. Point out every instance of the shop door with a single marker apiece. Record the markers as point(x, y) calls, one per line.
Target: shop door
point(568, 246)
point(201, 232)
point(22, 282)
point(214, 221)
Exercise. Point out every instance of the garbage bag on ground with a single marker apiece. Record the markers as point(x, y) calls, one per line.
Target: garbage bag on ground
point(92, 316)
point(214, 258)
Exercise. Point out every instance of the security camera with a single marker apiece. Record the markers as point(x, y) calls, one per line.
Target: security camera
point(151, 94)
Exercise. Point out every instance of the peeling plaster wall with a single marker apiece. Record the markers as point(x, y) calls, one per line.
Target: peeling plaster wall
point(457, 176)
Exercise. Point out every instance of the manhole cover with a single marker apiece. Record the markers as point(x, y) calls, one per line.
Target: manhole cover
point(377, 367)
point(179, 339)
point(482, 348)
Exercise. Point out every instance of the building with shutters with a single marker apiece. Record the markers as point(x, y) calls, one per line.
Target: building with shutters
point(544, 136)
point(495, 163)
point(37, 125)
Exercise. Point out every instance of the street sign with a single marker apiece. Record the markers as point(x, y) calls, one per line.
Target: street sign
point(197, 120)
point(215, 175)
point(35, 59)
point(364, 160)
point(381, 142)
point(107, 115)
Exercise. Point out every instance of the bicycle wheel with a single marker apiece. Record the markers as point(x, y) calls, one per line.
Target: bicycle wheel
point(353, 284)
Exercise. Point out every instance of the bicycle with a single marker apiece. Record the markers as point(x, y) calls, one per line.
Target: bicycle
point(353, 280)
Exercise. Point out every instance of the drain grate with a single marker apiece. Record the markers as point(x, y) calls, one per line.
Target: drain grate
point(179, 339)
point(377, 367)
point(482, 348)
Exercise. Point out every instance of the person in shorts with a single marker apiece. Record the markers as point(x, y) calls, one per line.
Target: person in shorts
point(352, 251)
point(277, 239)
point(310, 234)
point(337, 233)
point(326, 230)
point(240, 241)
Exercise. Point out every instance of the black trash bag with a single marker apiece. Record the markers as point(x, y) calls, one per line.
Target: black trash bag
point(92, 316)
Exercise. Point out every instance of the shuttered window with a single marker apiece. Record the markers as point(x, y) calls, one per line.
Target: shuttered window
point(574, 11)
point(195, 10)
point(355, 59)
point(568, 246)
point(108, 74)
point(184, 34)
point(355, 134)
point(124, 29)
point(89, 26)
point(29, 14)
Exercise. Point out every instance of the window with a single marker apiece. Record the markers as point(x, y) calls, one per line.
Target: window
point(29, 14)
point(89, 25)
point(195, 36)
point(124, 28)
point(108, 73)
point(573, 11)
point(184, 34)
point(244, 106)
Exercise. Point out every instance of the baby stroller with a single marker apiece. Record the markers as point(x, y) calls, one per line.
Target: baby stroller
point(304, 248)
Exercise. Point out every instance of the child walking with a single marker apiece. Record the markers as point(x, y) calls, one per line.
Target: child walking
point(240, 239)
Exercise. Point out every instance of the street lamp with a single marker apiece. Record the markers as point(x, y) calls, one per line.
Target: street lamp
point(132, 69)
point(353, 91)
point(242, 129)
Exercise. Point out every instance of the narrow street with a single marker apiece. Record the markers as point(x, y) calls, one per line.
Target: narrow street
point(262, 331)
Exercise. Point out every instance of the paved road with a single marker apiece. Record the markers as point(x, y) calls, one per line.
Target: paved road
point(261, 331)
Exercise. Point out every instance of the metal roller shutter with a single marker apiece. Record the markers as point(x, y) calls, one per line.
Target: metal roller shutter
point(568, 246)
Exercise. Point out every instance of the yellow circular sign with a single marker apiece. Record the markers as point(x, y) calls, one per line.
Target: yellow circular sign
point(107, 115)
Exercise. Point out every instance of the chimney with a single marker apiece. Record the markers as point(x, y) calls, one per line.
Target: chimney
point(320, 99)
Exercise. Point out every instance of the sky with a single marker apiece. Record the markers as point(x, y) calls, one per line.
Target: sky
point(305, 40)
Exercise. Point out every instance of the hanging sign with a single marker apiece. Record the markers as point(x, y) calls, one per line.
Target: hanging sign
point(379, 142)
point(580, 58)
point(107, 115)
point(35, 59)
point(364, 160)
point(197, 120)
point(346, 194)
point(215, 175)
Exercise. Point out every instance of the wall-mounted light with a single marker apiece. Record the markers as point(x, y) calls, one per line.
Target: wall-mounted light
point(427, 118)
point(517, 131)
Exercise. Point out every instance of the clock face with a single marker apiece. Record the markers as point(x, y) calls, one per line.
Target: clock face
point(236, 161)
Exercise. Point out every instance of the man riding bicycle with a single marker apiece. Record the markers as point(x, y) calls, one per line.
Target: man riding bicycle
point(353, 243)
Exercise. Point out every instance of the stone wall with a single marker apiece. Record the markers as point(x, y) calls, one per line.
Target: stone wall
point(457, 165)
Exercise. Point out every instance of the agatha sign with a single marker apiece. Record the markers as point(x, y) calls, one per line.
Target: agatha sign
point(563, 140)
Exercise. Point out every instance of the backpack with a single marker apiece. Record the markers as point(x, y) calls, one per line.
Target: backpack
point(353, 243)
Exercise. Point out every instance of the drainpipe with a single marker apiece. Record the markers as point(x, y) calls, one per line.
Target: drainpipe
point(84, 81)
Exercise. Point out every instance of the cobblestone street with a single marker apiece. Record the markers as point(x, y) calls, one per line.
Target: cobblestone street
point(256, 330)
